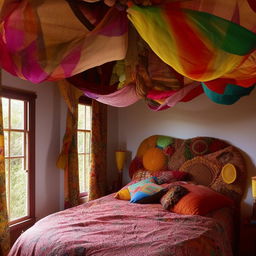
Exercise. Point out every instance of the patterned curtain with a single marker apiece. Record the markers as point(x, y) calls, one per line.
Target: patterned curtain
point(97, 182)
point(4, 225)
point(68, 158)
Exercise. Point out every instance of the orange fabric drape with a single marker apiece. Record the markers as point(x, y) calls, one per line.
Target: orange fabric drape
point(68, 158)
point(4, 225)
point(98, 174)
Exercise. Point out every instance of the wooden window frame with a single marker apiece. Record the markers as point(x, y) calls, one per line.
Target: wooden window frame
point(19, 225)
point(85, 101)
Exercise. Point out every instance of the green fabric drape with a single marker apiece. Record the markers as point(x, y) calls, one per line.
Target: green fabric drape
point(4, 225)
point(68, 158)
point(98, 174)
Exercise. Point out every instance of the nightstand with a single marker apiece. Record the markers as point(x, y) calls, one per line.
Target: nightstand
point(248, 239)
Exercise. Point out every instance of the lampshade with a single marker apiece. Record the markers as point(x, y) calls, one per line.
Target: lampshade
point(254, 187)
point(120, 159)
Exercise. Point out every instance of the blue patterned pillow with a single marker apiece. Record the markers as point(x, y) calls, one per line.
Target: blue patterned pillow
point(136, 186)
point(149, 193)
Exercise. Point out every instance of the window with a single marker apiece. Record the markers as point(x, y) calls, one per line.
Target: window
point(84, 143)
point(19, 134)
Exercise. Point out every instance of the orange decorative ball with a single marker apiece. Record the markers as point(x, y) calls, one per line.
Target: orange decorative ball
point(154, 160)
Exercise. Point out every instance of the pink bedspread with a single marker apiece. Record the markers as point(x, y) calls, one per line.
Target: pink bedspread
point(112, 227)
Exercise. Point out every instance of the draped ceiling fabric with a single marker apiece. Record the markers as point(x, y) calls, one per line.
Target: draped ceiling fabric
point(178, 50)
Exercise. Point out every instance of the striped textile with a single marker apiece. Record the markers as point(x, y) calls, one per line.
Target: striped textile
point(45, 40)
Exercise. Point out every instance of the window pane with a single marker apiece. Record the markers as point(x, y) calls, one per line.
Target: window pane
point(81, 173)
point(17, 114)
point(81, 117)
point(87, 142)
point(19, 193)
point(5, 105)
point(88, 123)
point(6, 143)
point(80, 142)
point(87, 171)
point(16, 143)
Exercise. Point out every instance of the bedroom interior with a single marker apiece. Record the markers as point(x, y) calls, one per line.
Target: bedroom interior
point(214, 108)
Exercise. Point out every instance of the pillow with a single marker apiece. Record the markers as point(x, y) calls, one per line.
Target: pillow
point(154, 160)
point(136, 186)
point(124, 194)
point(174, 194)
point(170, 176)
point(149, 193)
point(145, 145)
point(141, 174)
point(200, 200)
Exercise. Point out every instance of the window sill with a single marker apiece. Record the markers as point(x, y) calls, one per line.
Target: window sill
point(18, 228)
point(83, 199)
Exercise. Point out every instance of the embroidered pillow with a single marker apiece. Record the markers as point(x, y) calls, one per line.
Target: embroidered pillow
point(149, 193)
point(174, 194)
point(141, 174)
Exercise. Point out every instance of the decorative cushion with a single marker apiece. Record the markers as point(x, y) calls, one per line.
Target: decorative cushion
point(148, 193)
point(200, 200)
point(154, 160)
point(164, 141)
point(123, 194)
point(136, 186)
point(145, 145)
point(234, 190)
point(199, 146)
point(174, 194)
point(201, 170)
point(141, 174)
point(170, 176)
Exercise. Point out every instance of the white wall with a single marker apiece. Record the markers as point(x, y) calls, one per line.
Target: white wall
point(47, 142)
point(200, 117)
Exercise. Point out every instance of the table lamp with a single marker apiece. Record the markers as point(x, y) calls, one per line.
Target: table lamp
point(254, 198)
point(120, 160)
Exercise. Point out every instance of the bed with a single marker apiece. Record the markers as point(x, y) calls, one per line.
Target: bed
point(110, 226)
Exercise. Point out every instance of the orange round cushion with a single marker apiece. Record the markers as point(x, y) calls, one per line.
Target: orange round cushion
point(145, 145)
point(154, 160)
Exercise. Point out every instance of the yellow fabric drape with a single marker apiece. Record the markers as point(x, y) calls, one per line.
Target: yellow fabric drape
point(68, 158)
point(4, 225)
point(97, 181)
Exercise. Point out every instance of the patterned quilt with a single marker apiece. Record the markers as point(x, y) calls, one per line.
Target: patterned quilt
point(112, 227)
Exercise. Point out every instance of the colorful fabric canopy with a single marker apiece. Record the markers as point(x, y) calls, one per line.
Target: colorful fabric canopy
point(179, 50)
point(44, 40)
point(196, 44)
